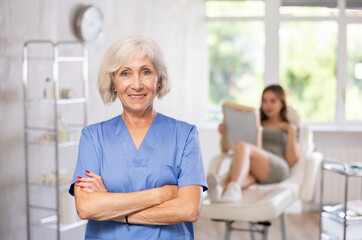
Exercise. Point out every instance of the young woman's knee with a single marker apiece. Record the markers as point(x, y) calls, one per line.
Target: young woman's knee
point(241, 146)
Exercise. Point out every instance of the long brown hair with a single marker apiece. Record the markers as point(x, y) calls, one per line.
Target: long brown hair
point(280, 93)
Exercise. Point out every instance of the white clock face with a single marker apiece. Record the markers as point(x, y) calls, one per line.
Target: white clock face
point(91, 24)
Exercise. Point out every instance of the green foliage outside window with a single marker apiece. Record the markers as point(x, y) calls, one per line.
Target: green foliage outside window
point(236, 55)
point(307, 68)
point(354, 85)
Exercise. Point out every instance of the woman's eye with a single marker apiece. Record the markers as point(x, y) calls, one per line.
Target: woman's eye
point(124, 74)
point(146, 72)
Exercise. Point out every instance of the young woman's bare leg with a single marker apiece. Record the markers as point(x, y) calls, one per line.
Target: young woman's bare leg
point(249, 180)
point(250, 163)
point(247, 159)
point(226, 181)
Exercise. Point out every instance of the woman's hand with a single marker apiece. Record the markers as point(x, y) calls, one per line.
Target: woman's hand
point(95, 184)
point(222, 128)
point(292, 128)
point(92, 184)
point(287, 126)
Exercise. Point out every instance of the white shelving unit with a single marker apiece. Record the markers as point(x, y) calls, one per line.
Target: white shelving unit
point(341, 221)
point(45, 58)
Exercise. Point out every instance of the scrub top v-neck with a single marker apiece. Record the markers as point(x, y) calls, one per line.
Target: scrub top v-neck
point(168, 155)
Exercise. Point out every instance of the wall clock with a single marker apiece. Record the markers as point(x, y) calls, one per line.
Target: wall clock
point(89, 23)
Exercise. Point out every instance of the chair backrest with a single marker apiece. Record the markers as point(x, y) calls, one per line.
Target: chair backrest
point(303, 135)
point(305, 171)
point(306, 143)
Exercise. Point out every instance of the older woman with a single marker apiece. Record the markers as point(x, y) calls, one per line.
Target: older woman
point(140, 174)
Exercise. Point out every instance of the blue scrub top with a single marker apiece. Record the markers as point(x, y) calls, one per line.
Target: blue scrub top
point(169, 155)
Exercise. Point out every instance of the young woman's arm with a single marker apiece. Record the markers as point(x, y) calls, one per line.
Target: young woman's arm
point(292, 149)
point(102, 206)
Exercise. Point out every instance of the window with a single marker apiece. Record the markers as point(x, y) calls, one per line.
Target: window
point(307, 66)
point(353, 94)
point(236, 52)
point(232, 8)
point(308, 8)
point(307, 46)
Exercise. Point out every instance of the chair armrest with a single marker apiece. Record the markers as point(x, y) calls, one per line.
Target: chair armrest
point(216, 163)
point(311, 169)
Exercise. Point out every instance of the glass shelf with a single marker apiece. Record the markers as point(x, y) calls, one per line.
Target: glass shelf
point(70, 59)
point(40, 59)
point(48, 129)
point(59, 101)
point(344, 169)
point(42, 207)
point(337, 213)
point(51, 223)
point(33, 128)
point(52, 144)
point(334, 229)
point(326, 237)
point(58, 59)
point(62, 187)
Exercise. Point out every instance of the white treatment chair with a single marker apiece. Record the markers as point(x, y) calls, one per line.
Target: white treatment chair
point(262, 203)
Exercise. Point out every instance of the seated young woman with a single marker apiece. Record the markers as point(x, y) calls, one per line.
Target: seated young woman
point(269, 164)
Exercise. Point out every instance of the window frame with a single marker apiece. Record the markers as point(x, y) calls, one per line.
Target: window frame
point(272, 20)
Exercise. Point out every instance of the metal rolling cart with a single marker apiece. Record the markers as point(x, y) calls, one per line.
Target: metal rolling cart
point(341, 221)
point(46, 191)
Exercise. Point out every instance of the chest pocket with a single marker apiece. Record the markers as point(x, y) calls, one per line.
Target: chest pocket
point(168, 175)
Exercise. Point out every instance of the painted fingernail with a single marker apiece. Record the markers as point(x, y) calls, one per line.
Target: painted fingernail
point(76, 182)
point(79, 178)
point(81, 187)
point(87, 171)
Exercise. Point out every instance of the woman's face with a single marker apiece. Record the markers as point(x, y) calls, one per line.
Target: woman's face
point(136, 85)
point(271, 104)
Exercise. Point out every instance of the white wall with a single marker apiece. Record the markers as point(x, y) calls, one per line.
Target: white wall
point(178, 26)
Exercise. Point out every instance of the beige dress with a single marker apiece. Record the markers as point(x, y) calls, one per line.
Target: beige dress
point(274, 142)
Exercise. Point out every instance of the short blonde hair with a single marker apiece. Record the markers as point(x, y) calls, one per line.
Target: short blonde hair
point(124, 50)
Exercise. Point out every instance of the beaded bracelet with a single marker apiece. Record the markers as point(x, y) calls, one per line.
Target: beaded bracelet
point(127, 223)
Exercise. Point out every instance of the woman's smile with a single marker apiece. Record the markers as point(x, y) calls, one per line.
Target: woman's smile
point(137, 96)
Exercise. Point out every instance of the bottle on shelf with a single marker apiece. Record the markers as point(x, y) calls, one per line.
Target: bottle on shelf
point(62, 130)
point(49, 89)
point(68, 93)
